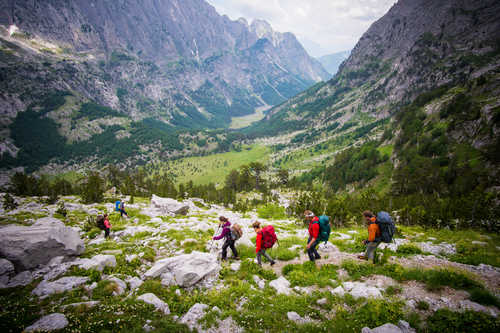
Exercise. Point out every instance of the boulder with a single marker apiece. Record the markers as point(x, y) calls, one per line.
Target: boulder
point(134, 282)
point(281, 285)
point(46, 288)
point(187, 269)
point(98, 262)
point(156, 302)
point(21, 279)
point(322, 301)
point(360, 289)
point(51, 322)
point(295, 317)
point(194, 314)
point(339, 291)
point(235, 266)
point(260, 283)
point(29, 247)
point(167, 279)
point(121, 285)
point(403, 327)
point(6, 271)
point(163, 206)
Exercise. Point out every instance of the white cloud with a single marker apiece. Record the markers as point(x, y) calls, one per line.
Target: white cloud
point(323, 26)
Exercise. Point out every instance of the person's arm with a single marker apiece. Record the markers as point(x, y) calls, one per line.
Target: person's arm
point(314, 235)
point(258, 242)
point(223, 233)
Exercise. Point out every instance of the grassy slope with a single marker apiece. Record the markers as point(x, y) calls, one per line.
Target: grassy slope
point(214, 168)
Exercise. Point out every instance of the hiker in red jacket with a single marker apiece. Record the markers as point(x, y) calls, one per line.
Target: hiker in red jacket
point(312, 241)
point(229, 242)
point(259, 249)
point(107, 226)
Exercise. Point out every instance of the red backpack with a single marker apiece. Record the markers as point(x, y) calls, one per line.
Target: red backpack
point(268, 237)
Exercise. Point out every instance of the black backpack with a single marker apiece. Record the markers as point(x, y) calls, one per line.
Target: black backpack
point(387, 227)
point(100, 222)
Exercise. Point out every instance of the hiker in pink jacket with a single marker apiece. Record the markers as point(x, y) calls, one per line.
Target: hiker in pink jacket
point(107, 226)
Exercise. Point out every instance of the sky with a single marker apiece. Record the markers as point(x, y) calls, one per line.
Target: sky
point(322, 26)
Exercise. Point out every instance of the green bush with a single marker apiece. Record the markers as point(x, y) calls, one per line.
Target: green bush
point(483, 296)
point(446, 321)
point(423, 305)
point(271, 212)
point(408, 249)
point(308, 274)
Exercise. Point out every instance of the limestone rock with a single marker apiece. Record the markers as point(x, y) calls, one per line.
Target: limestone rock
point(156, 302)
point(187, 269)
point(121, 285)
point(163, 206)
point(51, 322)
point(403, 327)
point(21, 279)
point(46, 288)
point(260, 283)
point(98, 262)
point(6, 267)
point(29, 247)
point(360, 289)
point(339, 291)
point(195, 313)
point(281, 285)
point(134, 282)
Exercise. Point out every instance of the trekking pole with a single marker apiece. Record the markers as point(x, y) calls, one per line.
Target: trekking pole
point(212, 241)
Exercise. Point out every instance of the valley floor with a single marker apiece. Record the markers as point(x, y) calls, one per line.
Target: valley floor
point(436, 280)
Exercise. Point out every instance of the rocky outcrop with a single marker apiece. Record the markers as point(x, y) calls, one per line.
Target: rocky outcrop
point(196, 268)
point(167, 206)
point(98, 262)
point(46, 288)
point(29, 247)
point(403, 327)
point(281, 285)
point(156, 302)
point(51, 322)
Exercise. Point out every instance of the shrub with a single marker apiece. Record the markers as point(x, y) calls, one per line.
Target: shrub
point(423, 305)
point(8, 202)
point(271, 212)
point(408, 249)
point(483, 296)
point(308, 274)
point(444, 321)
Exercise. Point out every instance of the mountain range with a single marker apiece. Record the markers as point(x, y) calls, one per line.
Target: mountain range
point(332, 62)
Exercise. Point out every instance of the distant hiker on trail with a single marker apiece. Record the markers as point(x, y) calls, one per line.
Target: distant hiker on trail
point(122, 210)
point(373, 236)
point(227, 234)
point(265, 240)
point(107, 226)
point(312, 241)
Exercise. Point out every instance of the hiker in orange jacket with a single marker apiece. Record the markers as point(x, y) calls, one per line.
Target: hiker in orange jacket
point(373, 240)
point(258, 245)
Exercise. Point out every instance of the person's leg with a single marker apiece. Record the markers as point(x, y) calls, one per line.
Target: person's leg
point(233, 248)
point(224, 249)
point(315, 251)
point(106, 233)
point(370, 250)
point(259, 258)
point(268, 257)
point(121, 212)
point(310, 251)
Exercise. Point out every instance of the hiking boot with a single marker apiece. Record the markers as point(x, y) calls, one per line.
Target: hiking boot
point(318, 257)
point(273, 262)
point(236, 258)
point(362, 257)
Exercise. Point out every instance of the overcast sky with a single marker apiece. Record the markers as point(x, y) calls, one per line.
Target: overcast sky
point(322, 26)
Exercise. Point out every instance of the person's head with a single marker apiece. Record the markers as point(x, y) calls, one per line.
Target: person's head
point(368, 216)
point(256, 226)
point(222, 220)
point(105, 216)
point(308, 215)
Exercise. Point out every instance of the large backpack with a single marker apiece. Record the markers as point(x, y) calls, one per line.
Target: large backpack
point(387, 227)
point(324, 228)
point(117, 206)
point(268, 237)
point(236, 232)
point(100, 222)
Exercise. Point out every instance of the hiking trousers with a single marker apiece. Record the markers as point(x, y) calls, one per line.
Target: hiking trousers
point(312, 252)
point(229, 243)
point(262, 252)
point(106, 232)
point(371, 247)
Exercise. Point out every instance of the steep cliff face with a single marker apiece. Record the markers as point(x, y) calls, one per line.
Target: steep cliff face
point(417, 46)
point(174, 55)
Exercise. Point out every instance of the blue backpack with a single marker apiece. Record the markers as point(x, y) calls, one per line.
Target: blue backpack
point(324, 228)
point(387, 227)
point(117, 206)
